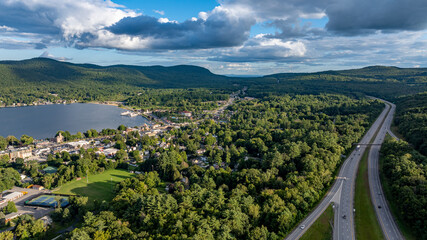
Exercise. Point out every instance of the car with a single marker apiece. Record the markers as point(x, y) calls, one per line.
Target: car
point(344, 216)
point(302, 226)
point(379, 206)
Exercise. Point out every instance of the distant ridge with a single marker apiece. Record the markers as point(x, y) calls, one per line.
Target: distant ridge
point(49, 70)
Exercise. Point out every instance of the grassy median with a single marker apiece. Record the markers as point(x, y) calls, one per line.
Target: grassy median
point(367, 226)
point(322, 227)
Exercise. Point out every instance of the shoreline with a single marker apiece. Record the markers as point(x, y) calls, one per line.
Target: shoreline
point(109, 103)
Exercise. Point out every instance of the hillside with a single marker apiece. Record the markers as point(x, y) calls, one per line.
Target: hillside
point(42, 78)
point(380, 81)
point(42, 70)
point(371, 73)
point(28, 80)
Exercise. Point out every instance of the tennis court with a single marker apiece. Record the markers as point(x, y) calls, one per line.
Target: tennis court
point(48, 201)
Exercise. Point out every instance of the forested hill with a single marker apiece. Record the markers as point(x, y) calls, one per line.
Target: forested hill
point(44, 70)
point(379, 81)
point(372, 73)
point(28, 81)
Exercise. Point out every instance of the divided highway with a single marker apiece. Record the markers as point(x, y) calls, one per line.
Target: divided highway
point(387, 223)
point(342, 191)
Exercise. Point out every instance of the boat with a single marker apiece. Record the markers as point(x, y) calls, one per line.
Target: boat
point(129, 113)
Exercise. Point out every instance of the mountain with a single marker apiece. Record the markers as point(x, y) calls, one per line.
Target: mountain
point(45, 70)
point(371, 73)
point(42, 78)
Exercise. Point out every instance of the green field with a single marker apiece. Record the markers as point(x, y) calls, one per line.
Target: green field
point(322, 227)
point(97, 187)
point(367, 226)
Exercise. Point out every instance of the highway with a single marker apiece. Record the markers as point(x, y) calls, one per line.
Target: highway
point(342, 191)
point(387, 223)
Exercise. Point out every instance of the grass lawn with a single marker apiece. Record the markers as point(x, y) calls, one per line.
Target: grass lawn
point(99, 186)
point(367, 226)
point(321, 228)
point(403, 227)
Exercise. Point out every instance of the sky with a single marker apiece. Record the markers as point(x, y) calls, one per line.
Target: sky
point(241, 37)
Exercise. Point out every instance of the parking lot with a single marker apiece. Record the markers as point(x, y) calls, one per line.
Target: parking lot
point(37, 212)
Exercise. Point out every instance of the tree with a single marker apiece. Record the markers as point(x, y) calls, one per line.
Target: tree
point(3, 143)
point(210, 140)
point(12, 140)
point(10, 208)
point(4, 159)
point(122, 128)
point(26, 140)
point(6, 235)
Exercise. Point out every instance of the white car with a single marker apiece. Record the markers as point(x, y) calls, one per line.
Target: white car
point(302, 226)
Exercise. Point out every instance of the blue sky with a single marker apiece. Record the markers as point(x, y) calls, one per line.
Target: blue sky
point(246, 37)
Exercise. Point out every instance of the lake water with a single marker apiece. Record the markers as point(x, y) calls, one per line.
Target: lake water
point(45, 121)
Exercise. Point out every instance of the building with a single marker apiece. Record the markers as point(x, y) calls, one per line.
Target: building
point(37, 187)
point(78, 144)
point(46, 220)
point(24, 152)
point(186, 113)
point(11, 197)
point(110, 152)
point(10, 217)
point(59, 138)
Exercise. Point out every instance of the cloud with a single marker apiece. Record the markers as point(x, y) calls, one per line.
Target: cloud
point(10, 43)
point(365, 16)
point(46, 54)
point(357, 31)
point(219, 28)
point(7, 29)
point(159, 12)
point(261, 49)
point(65, 20)
point(349, 17)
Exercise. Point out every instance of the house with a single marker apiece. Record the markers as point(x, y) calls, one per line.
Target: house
point(10, 217)
point(110, 152)
point(186, 113)
point(46, 220)
point(201, 151)
point(37, 187)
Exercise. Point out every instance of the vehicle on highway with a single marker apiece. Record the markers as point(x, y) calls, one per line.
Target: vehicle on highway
point(302, 226)
point(344, 216)
point(379, 206)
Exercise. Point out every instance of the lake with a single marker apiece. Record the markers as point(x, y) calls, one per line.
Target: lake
point(45, 121)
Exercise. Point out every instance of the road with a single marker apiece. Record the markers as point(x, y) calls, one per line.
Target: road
point(342, 191)
point(387, 223)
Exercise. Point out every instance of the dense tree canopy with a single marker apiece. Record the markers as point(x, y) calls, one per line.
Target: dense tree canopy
point(406, 173)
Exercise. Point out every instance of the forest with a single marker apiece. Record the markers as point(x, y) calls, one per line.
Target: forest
point(268, 166)
point(36, 79)
point(252, 174)
point(405, 171)
point(411, 120)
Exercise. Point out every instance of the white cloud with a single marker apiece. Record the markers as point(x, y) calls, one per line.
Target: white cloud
point(159, 12)
point(166, 20)
point(7, 29)
point(46, 54)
